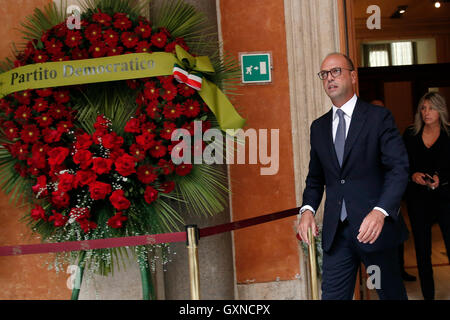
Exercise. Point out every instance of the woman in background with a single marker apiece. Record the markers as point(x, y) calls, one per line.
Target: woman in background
point(428, 192)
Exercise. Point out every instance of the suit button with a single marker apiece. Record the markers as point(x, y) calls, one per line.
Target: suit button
point(342, 181)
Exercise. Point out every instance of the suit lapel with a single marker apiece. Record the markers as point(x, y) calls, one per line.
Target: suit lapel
point(357, 123)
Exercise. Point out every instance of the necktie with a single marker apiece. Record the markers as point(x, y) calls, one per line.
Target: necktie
point(339, 144)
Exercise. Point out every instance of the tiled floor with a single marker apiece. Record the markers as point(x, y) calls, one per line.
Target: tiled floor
point(441, 284)
point(441, 267)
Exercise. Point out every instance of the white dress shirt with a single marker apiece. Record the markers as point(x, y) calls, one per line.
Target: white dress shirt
point(347, 108)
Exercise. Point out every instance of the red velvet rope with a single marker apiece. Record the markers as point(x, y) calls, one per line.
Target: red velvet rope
point(140, 240)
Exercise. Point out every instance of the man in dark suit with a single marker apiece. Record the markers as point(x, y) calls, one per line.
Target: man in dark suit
point(358, 154)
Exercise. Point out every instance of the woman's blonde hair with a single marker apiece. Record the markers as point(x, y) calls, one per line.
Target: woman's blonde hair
point(437, 102)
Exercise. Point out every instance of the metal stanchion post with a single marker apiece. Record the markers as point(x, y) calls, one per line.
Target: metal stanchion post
point(194, 274)
point(313, 266)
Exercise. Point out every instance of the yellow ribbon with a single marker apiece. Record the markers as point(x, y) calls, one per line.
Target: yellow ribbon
point(216, 100)
point(123, 67)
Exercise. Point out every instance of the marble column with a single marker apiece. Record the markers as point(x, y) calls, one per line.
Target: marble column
point(312, 31)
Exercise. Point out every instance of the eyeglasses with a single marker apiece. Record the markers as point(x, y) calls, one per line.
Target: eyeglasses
point(335, 72)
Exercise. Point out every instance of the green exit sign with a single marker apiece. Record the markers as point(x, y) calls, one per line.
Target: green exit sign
point(256, 67)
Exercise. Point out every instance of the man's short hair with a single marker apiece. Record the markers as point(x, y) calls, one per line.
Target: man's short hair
point(349, 61)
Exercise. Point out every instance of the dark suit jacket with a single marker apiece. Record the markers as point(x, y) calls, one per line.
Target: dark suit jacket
point(374, 173)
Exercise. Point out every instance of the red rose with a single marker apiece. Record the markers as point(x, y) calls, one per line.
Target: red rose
point(51, 135)
point(83, 158)
point(60, 199)
point(83, 141)
point(40, 188)
point(117, 220)
point(119, 201)
point(84, 177)
point(146, 174)
point(99, 190)
point(38, 213)
point(57, 155)
point(86, 225)
point(125, 165)
point(101, 123)
point(65, 183)
point(58, 219)
point(116, 153)
point(102, 165)
point(150, 194)
point(146, 140)
point(112, 140)
point(133, 126)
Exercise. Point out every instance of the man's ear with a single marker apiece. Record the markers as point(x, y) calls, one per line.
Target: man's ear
point(354, 76)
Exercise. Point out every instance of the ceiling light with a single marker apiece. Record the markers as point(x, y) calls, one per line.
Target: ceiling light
point(437, 4)
point(399, 12)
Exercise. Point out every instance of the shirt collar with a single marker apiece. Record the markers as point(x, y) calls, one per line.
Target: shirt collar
point(347, 108)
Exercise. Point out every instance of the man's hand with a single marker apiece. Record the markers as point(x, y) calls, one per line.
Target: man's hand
point(371, 227)
point(307, 221)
